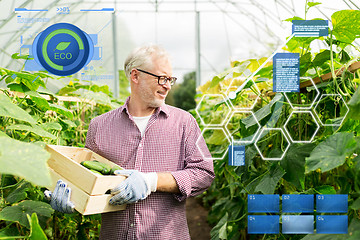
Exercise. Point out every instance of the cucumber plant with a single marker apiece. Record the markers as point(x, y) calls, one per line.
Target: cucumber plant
point(328, 164)
point(30, 117)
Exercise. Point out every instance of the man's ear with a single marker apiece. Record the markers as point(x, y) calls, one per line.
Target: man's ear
point(134, 76)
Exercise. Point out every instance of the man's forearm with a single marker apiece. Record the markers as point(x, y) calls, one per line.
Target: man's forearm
point(166, 183)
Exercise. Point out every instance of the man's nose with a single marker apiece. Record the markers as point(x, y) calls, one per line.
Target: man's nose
point(167, 85)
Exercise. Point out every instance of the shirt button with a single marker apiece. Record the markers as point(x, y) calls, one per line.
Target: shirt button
point(131, 225)
point(140, 145)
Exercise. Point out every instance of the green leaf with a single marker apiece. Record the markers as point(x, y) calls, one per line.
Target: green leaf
point(99, 98)
point(262, 112)
point(61, 110)
point(18, 56)
point(104, 88)
point(356, 80)
point(312, 4)
point(354, 230)
point(344, 56)
point(294, 164)
point(325, 189)
point(305, 63)
point(293, 18)
point(18, 87)
point(9, 109)
point(346, 25)
point(34, 129)
point(296, 44)
point(40, 101)
point(18, 212)
point(25, 160)
point(2, 134)
point(36, 232)
point(47, 92)
point(218, 78)
point(325, 237)
point(321, 58)
point(31, 81)
point(10, 233)
point(250, 188)
point(51, 126)
point(331, 153)
point(354, 105)
point(356, 204)
point(265, 72)
point(356, 161)
point(216, 138)
point(68, 122)
point(19, 193)
point(219, 231)
point(65, 90)
point(62, 46)
point(269, 181)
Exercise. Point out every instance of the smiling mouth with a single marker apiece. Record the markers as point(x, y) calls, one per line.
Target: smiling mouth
point(162, 94)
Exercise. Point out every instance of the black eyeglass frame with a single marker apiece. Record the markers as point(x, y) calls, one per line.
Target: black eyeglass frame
point(164, 79)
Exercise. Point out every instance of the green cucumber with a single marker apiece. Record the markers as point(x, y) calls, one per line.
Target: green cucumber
point(106, 168)
point(92, 165)
point(100, 167)
point(114, 168)
point(96, 172)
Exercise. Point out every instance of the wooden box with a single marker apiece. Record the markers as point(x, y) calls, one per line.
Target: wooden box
point(88, 188)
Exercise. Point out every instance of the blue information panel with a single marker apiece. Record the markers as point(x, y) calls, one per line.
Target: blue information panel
point(263, 224)
point(263, 203)
point(332, 224)
point(236, 155)
point(294, 203)
point(332, 203)
point(301, 224)
point(286, 72)
point(310, 28)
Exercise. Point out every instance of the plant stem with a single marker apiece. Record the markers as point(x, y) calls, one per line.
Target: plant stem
point(236, 220)
point(332, 62)
point(1, 184)
point(10, 186)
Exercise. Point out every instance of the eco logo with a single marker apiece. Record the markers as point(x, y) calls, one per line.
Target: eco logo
point(63, 49)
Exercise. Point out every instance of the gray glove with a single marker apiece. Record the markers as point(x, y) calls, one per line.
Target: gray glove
point(137, 186)
point(60, 198)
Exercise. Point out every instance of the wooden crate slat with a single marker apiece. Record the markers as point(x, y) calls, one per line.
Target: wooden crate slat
point(66, 161)
point(85, 203)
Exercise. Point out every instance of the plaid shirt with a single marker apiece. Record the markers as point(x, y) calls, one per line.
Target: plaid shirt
point(171, 143)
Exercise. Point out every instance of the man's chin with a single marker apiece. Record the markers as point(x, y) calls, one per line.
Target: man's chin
point(157, 103)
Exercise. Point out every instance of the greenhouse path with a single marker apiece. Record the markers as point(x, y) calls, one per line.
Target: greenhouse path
point(196, 218)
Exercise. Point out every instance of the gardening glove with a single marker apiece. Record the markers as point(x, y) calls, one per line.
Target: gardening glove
point(60, 198)
point(137, 186)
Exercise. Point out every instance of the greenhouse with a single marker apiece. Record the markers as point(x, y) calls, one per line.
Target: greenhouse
point(179, 119)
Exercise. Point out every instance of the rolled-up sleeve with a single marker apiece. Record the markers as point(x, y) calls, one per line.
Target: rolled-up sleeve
point(198, 172)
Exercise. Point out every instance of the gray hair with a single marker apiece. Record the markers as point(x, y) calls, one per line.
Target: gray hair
point(143, 57)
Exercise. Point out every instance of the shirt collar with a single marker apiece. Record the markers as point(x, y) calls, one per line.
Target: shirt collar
point(163, 108)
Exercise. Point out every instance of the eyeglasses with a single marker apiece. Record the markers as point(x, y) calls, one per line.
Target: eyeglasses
point(161, 79)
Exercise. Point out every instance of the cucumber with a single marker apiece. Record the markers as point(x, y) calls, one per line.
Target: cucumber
point(106, 168)
point(96, 172)
point(92, 165)
point(114, 168)
point(97, 166)
point(100, 167)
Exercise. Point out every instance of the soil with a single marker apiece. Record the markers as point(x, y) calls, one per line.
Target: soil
point(197, 219)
